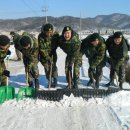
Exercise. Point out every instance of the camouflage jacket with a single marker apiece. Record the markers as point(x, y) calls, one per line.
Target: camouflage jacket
point(117, 52)
point(96, 55)
point(16, 38)
point(71, 47)
point(31, 54)
point(3, 54)
point(47, 47)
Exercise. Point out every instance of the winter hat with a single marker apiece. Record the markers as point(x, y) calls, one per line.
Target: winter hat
point(25, 41)
point(118, 35)
point(66, 28)
point(47, 27)
point(4, 40)
point(94, 36)
point(12, 33)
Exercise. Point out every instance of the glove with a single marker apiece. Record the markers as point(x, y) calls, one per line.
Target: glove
point(50, 62)
point(91, 69)
point(8, 52)
point(6, 73)
point(70, 67)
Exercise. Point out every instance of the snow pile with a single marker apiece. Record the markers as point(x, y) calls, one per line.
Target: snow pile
point(28, 103)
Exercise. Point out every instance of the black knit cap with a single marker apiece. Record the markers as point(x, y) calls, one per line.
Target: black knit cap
point(4, 40)
point(25, 41)
point(12, 33)
point(94, 36)
point(118, 35)
point(66, 28)
point(47, 27)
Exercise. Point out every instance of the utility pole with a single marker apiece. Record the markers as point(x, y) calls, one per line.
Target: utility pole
point(80, 25)
point(45, 9)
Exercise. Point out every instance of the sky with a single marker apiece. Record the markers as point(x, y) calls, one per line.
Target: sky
point(13, 9)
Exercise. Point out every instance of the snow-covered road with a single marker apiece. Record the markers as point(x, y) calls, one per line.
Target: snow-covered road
point(111, 113)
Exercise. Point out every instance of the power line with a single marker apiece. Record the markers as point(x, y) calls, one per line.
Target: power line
point(28, 6)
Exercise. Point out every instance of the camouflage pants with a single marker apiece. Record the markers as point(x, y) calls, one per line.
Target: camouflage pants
point(97, 73)
point(3, 79)
point(120, 71)
point(47, 70)
point(76, 69)
point(31, 69)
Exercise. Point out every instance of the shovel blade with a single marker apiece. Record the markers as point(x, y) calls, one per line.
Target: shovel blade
point(10, 92)
point(7, 93)
point(25, 92)
point(2, 94)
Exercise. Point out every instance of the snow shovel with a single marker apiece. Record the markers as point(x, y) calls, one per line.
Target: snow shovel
point(70, 80)
point(2, 94)
point(93, 80)
point(50, 75)
point(26, 92)
point(9, 90)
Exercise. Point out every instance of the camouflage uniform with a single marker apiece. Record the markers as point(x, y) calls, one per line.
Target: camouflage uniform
point(3, 54)
point(72, 49)
point(30, 58)
point(16, 38)
point(48, 55)
point(96, 57)
point(118, 59)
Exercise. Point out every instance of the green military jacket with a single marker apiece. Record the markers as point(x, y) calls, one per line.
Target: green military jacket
point(3, 54)
point(31, 54)
point(71, 47)
point(118, 53)
point(96, 55)
point(16, 38)
point(47, 47)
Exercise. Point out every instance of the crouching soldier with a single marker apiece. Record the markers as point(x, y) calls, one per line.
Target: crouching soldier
point(48, 43)
point(4, 51)
point(28, 46)
point(69, 42)
point(118, 51)
point(93, 46)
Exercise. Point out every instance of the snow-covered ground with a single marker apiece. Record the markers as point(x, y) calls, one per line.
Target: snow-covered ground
point(71, 113)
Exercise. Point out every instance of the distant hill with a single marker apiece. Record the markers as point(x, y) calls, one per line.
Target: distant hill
point(117, 21)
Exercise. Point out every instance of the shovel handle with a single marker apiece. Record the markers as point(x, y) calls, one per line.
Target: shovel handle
point(7, 83)
point(70, 79)
point(50, 74)
point(93, 78)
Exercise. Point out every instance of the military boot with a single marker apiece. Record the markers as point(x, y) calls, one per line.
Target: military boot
point(75, 86)
point(3, 84)
point(30, 83)
point(37, 84)
point(90, 82)
point(121, 85)
point(54, 84)
point(97, 84)
point(111, 83)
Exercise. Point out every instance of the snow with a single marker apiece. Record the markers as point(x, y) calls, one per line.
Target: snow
point(70, 113)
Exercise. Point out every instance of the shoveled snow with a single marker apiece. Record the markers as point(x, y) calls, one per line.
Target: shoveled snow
point(71, 113)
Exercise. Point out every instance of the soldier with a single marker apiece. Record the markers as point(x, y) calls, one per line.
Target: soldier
point(16, 38)
point(93, 46)
point(48, 43)
point(118, 51)
point(4, 51)
point(28, 46)
point(69, 42)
